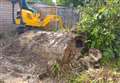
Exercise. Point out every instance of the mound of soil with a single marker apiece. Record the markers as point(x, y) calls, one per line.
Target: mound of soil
point(28, 58)
point(32, 54)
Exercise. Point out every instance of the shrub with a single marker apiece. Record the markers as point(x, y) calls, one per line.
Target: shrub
point(102, 25)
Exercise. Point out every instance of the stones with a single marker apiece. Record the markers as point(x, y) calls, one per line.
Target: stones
point(86, 62)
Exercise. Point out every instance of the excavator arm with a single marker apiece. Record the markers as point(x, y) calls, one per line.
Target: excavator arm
point(32, 18)
point(52, 18)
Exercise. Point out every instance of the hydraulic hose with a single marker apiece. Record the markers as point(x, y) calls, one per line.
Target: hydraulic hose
point(13, 10)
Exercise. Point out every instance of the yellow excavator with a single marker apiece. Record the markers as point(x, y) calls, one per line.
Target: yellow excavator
point(30, 17)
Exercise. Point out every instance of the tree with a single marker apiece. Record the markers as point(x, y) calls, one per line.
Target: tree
point(101, 22)
point(74, 2)
point(47, 1)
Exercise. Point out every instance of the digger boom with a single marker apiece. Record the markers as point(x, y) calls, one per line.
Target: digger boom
point(31, 17)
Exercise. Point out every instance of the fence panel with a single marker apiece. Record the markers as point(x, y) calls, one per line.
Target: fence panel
point(68, 15)
point(6, 16)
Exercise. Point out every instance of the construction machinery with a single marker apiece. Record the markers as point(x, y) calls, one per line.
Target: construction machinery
point(30, 17)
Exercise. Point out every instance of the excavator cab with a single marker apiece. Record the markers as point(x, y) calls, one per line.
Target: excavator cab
point(30, 17)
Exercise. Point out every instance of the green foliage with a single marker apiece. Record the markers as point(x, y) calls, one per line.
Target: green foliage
point(69, 2)
point(111, 63)
point(33, 1)
point(55, 69)
point(82, 78)
point(101, 22)
point(96, 76)
point(49, 2)
point(75, 3)
point(80, 2)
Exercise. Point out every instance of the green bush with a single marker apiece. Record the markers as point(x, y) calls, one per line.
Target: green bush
point(102, 25)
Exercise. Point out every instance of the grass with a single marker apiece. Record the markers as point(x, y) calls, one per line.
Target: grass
point(97, 76)
point(113, 64)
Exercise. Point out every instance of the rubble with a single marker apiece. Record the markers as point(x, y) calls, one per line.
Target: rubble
point(33, 53)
